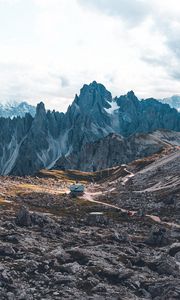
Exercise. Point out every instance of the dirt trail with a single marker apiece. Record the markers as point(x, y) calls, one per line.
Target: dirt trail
point(89, 196)
point(126, 178)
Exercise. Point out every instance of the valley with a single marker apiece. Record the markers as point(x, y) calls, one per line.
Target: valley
point(120, 240)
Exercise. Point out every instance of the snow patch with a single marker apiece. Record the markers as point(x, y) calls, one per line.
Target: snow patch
point(113, 107)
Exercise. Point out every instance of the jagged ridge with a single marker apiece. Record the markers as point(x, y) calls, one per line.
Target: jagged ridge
point(30, 144)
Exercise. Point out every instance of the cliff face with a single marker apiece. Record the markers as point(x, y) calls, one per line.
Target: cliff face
point(43, 143)
point(114, 150)
point(29, 144)
point(145, 116)
point(12, 135)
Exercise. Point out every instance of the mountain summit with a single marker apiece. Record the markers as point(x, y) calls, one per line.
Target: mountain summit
point(94, 96)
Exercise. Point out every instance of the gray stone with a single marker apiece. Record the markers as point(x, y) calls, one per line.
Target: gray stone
point(23, 217)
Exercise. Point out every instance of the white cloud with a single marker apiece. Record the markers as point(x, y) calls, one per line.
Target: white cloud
point(132, 12)
point(66, 43)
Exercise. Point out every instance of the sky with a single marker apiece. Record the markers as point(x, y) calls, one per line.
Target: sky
point(50, 48)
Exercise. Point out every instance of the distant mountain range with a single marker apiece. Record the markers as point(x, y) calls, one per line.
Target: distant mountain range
point(15, 109)
point(19, 109)
point(31, 143)
point(173, 101)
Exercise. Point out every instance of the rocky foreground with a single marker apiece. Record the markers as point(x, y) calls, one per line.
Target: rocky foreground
point(120, 240)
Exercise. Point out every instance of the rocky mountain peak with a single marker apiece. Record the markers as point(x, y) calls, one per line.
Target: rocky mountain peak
point(40, 109)
point(40, 119)
point(131, 95)
point(92, 96)
point(128, 99)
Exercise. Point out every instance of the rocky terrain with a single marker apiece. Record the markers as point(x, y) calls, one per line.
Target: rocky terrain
point(31, 143)
point(115, 149)
point(120, 240)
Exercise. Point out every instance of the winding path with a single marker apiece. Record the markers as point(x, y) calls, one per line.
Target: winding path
point(89, 196)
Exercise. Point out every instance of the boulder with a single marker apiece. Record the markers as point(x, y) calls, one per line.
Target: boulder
point(23, 217)
point(158, 237)
point(97, 218)
point(174, 248)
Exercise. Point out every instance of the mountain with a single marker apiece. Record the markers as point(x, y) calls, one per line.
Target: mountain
point(173, 101)
point(15, 109)
point(114, 150)
point(30, 144)
point(144, 116)
point(42, 144)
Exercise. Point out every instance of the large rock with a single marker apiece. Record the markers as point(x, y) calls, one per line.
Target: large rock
point(23, 217)
point(97, 218)
point(174, 248)
point(165, 265)
point(6, 250)
point(158, 237)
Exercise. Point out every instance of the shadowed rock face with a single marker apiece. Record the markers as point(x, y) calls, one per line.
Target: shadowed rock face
point(145, 116)
point(42, 144)
point(12, 135)
point(114, 150)
point(30, 144)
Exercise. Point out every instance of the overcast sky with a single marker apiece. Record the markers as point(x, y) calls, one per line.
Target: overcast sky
point(50, 48)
